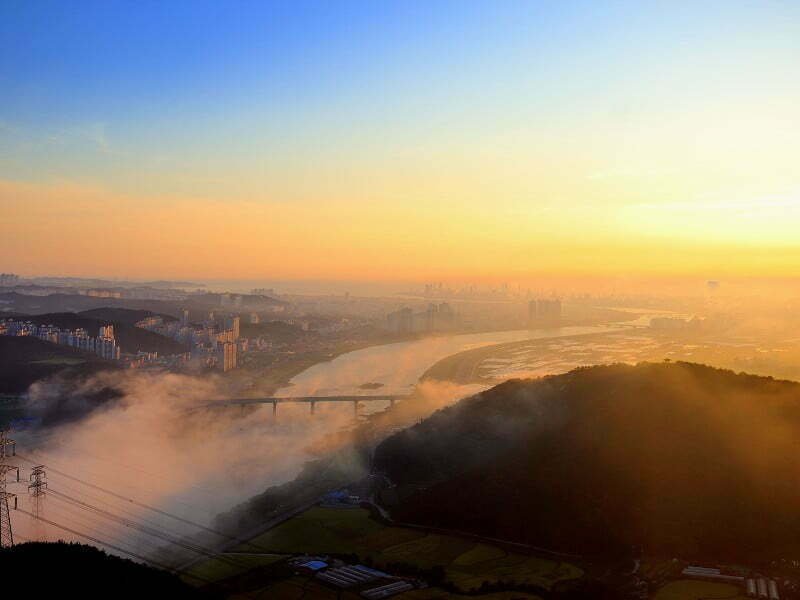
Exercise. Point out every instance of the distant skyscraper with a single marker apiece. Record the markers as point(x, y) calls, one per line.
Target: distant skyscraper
point(401, 321)
point(226, 356)
point(233, 324)
point(542, 310)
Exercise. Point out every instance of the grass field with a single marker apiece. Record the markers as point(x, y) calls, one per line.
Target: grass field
point(303, 588)
point(319, 531)
point(440, 594)
point(689, 589)
point(64, 360)
point(216, 570)
point(467, 564)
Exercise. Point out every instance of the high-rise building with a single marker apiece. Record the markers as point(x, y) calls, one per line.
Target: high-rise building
point(232, 323)
point(543, 310)
point(107, 348)
point(226, 356)
point(401, 321)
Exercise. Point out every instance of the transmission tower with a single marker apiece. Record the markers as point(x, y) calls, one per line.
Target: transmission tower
point(36, 488)
point(6, 536)
point(6, 442)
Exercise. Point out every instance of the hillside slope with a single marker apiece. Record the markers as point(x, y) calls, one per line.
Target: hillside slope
point(79, 571)
point(130, 338)
point(676, 459)
point(24, 360)
point(127, 316)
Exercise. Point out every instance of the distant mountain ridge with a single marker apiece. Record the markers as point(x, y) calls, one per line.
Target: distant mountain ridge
point(673, 459)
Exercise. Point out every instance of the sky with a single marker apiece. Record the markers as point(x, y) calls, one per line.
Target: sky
point(407, 140)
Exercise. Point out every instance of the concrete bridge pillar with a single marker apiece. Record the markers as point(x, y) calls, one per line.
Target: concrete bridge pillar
point(274, 408)
point(313, 404)
point(355, 408)
point(391, 403)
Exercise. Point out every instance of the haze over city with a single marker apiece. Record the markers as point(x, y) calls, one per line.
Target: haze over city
point(430, 300)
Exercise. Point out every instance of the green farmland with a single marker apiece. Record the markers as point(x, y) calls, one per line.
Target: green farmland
point(689, 589)
point(467, 564)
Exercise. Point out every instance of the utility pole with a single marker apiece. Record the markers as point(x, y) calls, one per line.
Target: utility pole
point(36, 488)
point(6, 536)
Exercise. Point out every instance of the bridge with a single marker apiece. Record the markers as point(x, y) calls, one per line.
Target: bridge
point(310, 400)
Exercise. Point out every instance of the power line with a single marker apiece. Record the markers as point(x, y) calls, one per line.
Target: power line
point(132, 501)
point(6, 534)
point(108, 545)
point(147, 530)
point(44, 457)
point(76, 516)
point(110, 504)
point(36, 489)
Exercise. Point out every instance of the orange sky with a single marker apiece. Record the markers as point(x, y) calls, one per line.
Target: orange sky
point(402, 141)
point(85, 231)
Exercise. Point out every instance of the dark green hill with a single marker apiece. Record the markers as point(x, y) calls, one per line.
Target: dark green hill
point(130, 338)
point(677, 459)
point(24, 360)
point(278, 331)
point(40, 570)
point(127, 316)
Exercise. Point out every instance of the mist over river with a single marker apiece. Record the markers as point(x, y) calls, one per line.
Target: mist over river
point(149, 446)
point(398, 367)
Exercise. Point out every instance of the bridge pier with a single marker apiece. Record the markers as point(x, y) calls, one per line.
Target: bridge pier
point(274, 409)
point(391, 403)
point(355, 408)
point(312, 404)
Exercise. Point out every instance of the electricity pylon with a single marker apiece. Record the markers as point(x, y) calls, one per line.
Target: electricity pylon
point(6, 442)
point(36, 488)
point(6, 535)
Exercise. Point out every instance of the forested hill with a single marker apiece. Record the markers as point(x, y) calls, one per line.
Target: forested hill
point(676, 459)
point(61, 570)
point(129, 337)
point(25, 360)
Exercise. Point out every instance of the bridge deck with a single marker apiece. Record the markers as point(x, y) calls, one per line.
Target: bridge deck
point(306, 399)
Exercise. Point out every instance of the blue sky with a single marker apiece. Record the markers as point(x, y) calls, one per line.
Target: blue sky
point(516, 112)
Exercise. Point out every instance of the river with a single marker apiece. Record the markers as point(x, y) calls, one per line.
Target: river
point(398, 366)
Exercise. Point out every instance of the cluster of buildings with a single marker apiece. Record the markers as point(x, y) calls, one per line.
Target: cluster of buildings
point(214, 342)
point(757, 587)
point(762, 588)
point(544, 310)
point(103, 344)
point(369, 583)
point(8, 279)
point(436, 317)
point(103, 293)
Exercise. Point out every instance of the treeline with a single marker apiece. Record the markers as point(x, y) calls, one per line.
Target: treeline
point(670, 459)
point(72, 570)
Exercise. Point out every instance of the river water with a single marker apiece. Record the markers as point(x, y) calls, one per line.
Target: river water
point(398, 367)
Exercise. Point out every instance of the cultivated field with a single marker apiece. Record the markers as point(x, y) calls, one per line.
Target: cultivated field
point(689, 589)
point(467, 563)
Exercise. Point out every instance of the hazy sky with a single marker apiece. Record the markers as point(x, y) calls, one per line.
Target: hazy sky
point(409, 140)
